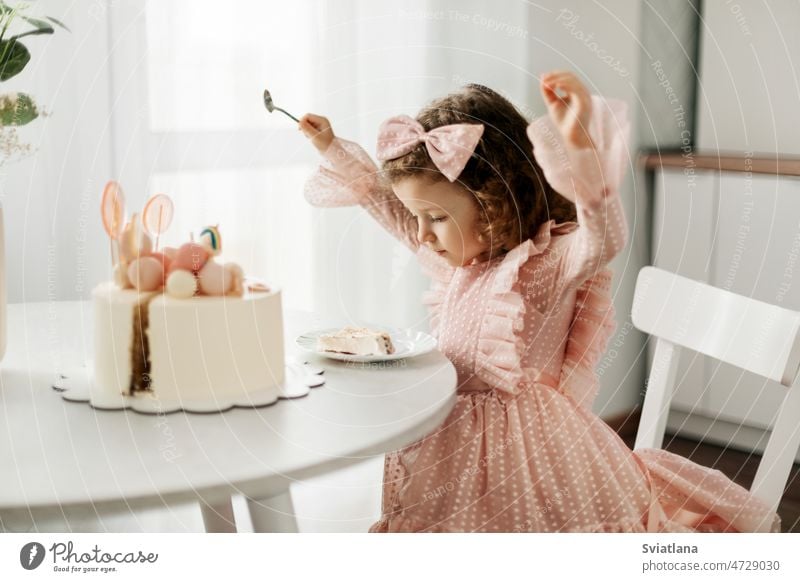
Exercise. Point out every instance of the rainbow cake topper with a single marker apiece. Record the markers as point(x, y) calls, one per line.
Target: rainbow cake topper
point(211, 238)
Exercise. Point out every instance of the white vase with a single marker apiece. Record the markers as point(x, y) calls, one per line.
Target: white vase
point(3, 325)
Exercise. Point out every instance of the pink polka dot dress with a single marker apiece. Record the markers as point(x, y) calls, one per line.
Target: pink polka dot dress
point(521, 450)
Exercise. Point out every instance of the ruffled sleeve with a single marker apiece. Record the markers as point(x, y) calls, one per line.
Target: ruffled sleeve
point(590, 178)
point(500, 346)
point(593, 323)
point(347, 176)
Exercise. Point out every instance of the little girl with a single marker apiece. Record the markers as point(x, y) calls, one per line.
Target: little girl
point(517, 248)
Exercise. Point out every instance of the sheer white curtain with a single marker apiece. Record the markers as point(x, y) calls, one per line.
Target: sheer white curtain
point(187, 120)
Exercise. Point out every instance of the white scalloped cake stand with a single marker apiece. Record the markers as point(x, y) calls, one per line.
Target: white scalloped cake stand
point(75, 386)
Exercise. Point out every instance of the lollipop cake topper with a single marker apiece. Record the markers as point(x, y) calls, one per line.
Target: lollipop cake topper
point(157, 215)
point(112, 210)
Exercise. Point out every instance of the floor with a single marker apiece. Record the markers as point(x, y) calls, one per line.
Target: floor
point(349, 500)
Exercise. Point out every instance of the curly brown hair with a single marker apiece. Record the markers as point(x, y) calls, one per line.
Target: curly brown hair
point(509, 186)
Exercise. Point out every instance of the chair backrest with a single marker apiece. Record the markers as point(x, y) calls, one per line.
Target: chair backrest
point(747, 333)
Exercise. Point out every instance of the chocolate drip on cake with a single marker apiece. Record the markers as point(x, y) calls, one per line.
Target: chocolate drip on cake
point(140, 347)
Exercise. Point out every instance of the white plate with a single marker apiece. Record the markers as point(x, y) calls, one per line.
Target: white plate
point(407, 344)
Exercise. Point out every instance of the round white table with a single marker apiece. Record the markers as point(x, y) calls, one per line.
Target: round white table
point(56, 454)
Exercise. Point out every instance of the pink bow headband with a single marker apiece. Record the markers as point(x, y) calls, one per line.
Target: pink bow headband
point(449, 146)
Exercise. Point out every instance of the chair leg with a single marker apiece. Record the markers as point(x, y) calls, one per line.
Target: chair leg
point(776, 464)
point(273, 514)
point(218, 517)
point(660, 387)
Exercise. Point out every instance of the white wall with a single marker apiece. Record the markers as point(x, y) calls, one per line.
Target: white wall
point(749, 98)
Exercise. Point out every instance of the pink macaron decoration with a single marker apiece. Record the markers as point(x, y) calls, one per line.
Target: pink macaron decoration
point(146, 274)
point(170, 253)
point(164, 261)
point(190, 257)
point(221, 280)
point(214, 279)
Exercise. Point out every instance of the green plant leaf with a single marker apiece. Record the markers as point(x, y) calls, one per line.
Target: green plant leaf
point(17, 109)
point(58, 23)
point(41, 25)
point(48, 30)
point(38, 23)
point(13, 58)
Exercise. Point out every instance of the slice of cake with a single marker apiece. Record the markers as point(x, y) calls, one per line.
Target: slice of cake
point(357, 341)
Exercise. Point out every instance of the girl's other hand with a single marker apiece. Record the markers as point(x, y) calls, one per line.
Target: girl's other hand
point(318, 130)
point(569, 105)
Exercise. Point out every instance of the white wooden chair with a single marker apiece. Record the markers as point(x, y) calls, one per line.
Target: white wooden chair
point(750, 334)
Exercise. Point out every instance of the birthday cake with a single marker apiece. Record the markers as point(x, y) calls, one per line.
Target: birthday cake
point(176, 324)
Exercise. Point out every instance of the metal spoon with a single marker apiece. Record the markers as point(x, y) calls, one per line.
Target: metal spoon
point(271, 106)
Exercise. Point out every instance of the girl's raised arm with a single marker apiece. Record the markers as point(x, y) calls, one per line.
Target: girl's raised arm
point(349, 177)
point(582, 149)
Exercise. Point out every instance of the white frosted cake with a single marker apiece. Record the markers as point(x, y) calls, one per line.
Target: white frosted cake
point(185, 350)
point(177, 325)
point(358, 341)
